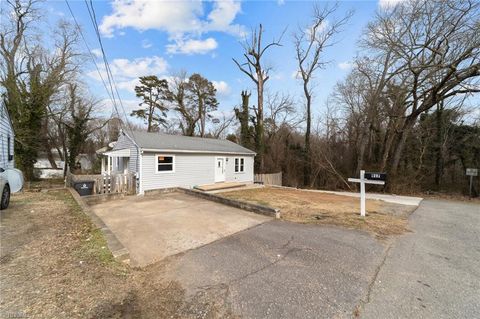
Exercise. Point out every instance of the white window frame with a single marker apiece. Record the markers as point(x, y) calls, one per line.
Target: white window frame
point(156, 164)
point(239, 165)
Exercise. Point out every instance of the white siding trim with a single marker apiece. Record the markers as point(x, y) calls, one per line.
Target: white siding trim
point(140, 172)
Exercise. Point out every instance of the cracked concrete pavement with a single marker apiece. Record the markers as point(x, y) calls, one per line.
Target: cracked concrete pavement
point(284, 270)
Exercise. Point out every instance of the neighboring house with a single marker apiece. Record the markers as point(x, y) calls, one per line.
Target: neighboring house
point(6, 139)
point(43, 168)
point(164, 161)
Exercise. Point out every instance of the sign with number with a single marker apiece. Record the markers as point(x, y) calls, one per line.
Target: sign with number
point(472, 171)
point(375, 176)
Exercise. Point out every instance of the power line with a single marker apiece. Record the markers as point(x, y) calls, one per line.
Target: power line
point(113, 89)
point(110, 95)
point(110, 77)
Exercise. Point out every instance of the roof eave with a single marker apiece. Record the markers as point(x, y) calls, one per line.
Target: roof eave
point(195, 151)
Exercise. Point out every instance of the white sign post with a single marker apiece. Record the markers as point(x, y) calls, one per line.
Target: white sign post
point(471, 172)
point(362, 180)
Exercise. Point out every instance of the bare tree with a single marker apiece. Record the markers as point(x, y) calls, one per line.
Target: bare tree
point(280, 112)
point(253, 67)
point(221, 124)
point(436, 46)
point(310, 43)
point(31, 75)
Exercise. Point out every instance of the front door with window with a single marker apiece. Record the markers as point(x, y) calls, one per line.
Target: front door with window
point(220, 169)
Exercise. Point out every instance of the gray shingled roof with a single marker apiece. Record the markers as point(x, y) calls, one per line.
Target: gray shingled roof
point(159, 141)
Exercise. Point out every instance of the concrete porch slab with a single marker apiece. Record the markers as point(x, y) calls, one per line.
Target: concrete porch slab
point(219, 186)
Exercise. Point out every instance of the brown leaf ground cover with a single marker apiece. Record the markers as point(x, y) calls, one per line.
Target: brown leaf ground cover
point(54, 263)
point(302, 206)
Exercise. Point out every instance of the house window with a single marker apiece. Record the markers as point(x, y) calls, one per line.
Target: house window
point(239, 165)
point(165, 163)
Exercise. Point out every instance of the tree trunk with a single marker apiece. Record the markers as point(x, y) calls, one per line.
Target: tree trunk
point(438, 146)
point(409, 122)
point(51, 158)
point(150, 115)
point(307, 166)
point(243, 117)
point(259, 142)
point(386, 149)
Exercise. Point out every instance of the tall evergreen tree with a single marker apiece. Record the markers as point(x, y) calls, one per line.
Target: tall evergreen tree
point(154, 94)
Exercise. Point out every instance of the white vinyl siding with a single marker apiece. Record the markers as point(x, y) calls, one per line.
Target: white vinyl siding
point(191, 170)
point(246, 176)
point(7, 138)
point(125, 142)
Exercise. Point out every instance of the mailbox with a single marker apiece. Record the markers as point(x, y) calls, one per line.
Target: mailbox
point(376, 176)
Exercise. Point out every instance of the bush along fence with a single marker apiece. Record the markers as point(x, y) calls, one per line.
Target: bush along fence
point(269, 179)
point(106, 183)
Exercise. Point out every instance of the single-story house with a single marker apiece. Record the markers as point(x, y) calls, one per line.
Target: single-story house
point(7, 136)
point(165, 161)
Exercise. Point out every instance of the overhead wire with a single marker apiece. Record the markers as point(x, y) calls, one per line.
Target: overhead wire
point(111, 79)
point(110, 94)
point(111, 88)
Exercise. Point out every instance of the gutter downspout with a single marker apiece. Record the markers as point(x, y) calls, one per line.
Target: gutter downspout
point(139, 163)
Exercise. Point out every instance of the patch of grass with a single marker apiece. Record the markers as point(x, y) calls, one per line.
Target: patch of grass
point(324, 208)
point(94, 245)
point(47, 183)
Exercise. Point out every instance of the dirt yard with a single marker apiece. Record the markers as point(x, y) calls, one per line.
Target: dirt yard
point(55, 264)
point(382, 218)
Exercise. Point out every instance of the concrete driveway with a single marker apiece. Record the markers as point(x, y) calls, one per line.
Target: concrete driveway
point(156, 226)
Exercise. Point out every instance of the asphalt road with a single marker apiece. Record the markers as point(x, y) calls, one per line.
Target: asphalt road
point(433, 272)
point(283, 270)
point(286, 270)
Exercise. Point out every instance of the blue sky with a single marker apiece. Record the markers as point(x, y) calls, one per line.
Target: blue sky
point(162, 37)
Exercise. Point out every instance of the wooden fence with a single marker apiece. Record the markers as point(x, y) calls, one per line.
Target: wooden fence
point(269, 179)
point(107, 183)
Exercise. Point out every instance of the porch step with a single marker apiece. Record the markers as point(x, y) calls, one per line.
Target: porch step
point(218, 186)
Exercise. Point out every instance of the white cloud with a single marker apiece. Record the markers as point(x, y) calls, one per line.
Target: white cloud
point(126, 72)
point(295, 74)
point(280, 2)
point(146, 44)
point(346, 65)
point(222, 17)
point(277, 76)
point(175, 17)
point(388, 4)
point(191, 46)
point(97, 52)
point(129, 106)
point(222, 87)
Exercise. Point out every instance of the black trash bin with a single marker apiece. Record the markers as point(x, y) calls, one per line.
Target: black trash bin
point(84, 188)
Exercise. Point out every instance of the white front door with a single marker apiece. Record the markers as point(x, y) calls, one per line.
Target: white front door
point(220, 169)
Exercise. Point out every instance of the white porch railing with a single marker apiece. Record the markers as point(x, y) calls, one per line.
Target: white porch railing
point(107, 183)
